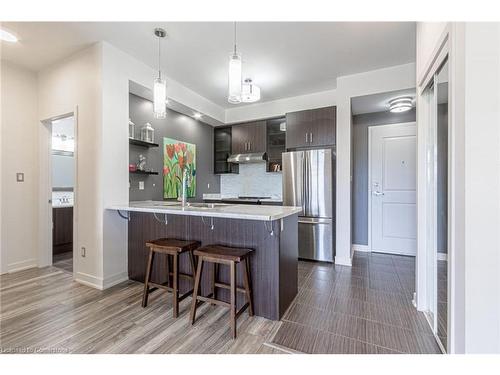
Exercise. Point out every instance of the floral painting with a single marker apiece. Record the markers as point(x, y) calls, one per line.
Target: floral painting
point(177, 157)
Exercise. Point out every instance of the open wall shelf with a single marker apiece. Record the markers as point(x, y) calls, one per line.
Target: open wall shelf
point(138, 142)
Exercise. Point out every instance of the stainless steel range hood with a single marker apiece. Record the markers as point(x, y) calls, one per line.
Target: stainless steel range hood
point(257, 157)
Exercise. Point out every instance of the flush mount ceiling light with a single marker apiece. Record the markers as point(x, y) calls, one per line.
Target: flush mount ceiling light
point(234, 76)
point(249, 92)
point(7, 36)
point(401, 104)
point(160, 84)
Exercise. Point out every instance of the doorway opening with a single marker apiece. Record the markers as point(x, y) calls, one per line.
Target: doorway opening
point(384, 174)
point(62, 186)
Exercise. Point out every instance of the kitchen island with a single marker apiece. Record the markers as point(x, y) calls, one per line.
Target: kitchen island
point(271, 231)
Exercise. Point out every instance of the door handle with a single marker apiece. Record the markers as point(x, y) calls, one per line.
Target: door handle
point(377, 193)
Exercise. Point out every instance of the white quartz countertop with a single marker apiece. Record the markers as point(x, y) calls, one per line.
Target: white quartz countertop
point(230, 211)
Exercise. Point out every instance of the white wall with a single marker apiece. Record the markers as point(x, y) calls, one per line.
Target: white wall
point(482, 187)
point(18, 153)
point(74, 84)
point(367, 83)
point(279, 107)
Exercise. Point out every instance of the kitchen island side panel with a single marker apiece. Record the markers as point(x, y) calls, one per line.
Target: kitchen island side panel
point(265, 260)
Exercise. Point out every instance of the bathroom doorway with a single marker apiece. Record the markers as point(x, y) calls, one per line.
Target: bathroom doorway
point(63, 185)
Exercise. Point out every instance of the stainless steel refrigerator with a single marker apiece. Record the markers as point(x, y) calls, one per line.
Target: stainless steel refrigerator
point(309, 182)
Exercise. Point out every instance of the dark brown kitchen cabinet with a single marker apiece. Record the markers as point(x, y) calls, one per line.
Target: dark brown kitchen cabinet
point(249, 137)
point(222, 150)
point(311, 128)
point(62, 229)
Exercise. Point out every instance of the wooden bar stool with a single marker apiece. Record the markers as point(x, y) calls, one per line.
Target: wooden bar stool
point(230, 256)
point(174, 248)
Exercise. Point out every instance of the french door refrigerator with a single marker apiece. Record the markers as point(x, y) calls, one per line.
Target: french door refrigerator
point(309, 182)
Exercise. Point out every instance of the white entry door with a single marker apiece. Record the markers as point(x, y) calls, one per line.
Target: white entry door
point(392, 186)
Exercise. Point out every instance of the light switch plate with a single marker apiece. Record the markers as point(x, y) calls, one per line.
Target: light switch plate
point(20, 177)
point(141, 185)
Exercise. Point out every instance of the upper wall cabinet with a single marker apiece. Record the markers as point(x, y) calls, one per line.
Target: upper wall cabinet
point(249, 137)
point(311, 128)
point(222, 150)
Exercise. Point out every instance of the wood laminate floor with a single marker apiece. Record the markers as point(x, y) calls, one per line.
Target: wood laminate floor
point(363, 309)
point(63, 261)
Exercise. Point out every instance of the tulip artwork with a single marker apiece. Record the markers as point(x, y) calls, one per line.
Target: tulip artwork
point(177, 157)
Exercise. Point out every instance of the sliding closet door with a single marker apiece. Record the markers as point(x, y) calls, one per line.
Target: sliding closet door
point(442, 123)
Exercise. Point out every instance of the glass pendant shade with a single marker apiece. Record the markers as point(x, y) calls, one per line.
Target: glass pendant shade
point(160, 98)
point(234, 79)
point(250, 93)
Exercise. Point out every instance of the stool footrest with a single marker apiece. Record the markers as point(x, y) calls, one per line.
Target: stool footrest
point(212, 300)
point(227, 286)
point(243, 308)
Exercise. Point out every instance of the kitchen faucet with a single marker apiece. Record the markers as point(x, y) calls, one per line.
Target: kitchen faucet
point(186, 182)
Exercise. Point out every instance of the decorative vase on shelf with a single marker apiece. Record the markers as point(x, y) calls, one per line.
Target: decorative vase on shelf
point(131, 129)
point(141, 165)
point(147, 133)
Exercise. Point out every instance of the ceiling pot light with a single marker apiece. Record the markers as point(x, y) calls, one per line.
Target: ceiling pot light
point(234, 75)
point(7, 36)
point(401, 104)
point(249, 92)
point(160, 84)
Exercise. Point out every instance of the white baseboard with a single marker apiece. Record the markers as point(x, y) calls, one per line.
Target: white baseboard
point(22, 265)
point(442, 256)
point(361, 248)
point(115, 279)
point(99, 283)
point(89, 280)
point(343, 261)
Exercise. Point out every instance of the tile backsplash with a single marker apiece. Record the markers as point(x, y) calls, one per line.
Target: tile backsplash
point(253, 180)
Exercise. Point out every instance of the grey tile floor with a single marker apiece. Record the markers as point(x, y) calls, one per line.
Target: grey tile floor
point(365, 308)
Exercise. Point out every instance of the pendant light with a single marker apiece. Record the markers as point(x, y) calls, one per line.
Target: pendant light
point(250, 93)
point(234, 77)
point(160, 84)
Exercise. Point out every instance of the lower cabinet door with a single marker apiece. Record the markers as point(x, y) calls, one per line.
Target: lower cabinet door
point(316, 239)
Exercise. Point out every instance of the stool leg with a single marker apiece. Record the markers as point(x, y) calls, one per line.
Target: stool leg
point(215, 272)
point(248, 287)
point(176, 286)
point(146, 280)
point(196, 288)
point(233, 299)
point(168, 269)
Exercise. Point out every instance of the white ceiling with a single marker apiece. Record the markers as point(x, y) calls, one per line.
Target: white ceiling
point(284, 58)
point(377, 102)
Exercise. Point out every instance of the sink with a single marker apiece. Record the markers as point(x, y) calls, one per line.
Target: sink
point(161, 204)
point(205, 205)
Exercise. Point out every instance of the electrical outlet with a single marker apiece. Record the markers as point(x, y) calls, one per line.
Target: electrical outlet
point(20, 177)
point(83, 252)
point(141, 185)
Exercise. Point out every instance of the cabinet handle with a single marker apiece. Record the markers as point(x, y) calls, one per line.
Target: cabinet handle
point(311, 138)
point(249, 146)
point(306, 137)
